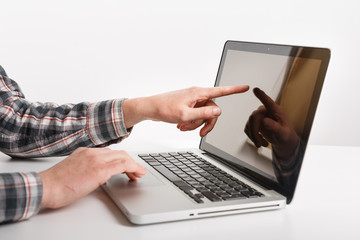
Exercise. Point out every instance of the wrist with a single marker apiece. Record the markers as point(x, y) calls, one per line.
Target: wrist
point(44, 198)
point(47, 188)
point(136, 110)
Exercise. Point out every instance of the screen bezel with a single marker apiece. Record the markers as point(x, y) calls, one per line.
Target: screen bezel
point(322, 54)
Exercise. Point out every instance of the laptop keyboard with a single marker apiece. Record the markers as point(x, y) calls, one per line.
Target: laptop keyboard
point(198, 178)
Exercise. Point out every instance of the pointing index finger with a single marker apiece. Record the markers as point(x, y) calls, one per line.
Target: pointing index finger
point(226, 90)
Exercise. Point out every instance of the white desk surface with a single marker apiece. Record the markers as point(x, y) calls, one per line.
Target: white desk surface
point(326, 206)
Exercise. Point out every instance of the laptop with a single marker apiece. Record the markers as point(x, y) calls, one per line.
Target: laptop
point(251, 160)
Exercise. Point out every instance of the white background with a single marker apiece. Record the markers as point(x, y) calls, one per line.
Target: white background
point(73, 51)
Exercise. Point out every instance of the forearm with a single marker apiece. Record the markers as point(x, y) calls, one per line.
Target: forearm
point(20, 196)
point(47, 129)
point(97, 124)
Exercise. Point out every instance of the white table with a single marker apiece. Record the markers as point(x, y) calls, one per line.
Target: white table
point(326, 206)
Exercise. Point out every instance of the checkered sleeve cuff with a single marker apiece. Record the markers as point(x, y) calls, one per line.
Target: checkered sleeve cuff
point(106, 122)
point(21, 195)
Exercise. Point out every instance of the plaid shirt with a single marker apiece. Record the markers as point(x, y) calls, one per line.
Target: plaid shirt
point(47, 129)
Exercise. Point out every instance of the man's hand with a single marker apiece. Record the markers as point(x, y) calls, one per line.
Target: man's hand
point(189, 108)
point(82, 172)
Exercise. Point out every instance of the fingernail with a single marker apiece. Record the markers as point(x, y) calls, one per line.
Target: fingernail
point(216, 111)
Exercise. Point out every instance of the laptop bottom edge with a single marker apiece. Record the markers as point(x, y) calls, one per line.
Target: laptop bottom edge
point(196, 213)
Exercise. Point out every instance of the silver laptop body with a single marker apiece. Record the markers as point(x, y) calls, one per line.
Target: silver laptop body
point(292, 76)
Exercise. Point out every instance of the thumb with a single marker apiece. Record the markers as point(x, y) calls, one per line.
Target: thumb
point(205, 112)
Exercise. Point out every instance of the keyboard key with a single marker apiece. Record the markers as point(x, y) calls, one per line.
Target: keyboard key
point(154, 163)
point(217, 182)
point(199, 195)
point(174, 154)
point(163, 160)
point(224, 195)
point(213, 187)
point(192, 173)
point(202, 189)
point(198, 200)
point(195, 175)
point(165, 155)
point(192, 182)
point(182, 175)
point(235, 197)
point(211, 196)
point(218, 191)
point(154, 155)
point(211, 178)
point(173, 168)
point(186, 188)
point(240, 188)
point(177, 171)
point(207, 183)
point(200, 179)
point(180, 183)
point(187, 178)
point(226, 188)
point(185, 169)
point(196, 185)
point(232, 191)
point(249, 194)
point(182, 152)
point(205, 174)
point(167, 173)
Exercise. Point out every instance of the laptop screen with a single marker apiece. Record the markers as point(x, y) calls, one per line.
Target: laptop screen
point(264, 132)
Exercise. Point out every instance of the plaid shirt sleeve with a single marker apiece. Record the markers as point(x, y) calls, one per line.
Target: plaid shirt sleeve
point(20, 196)
point(46, 129)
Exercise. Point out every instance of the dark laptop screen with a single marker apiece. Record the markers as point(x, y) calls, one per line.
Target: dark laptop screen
point(264, 132)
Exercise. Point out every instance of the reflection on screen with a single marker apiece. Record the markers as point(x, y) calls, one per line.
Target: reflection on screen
point(263, 131)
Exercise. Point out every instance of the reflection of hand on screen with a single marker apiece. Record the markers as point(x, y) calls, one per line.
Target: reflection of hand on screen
point(269, 124)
